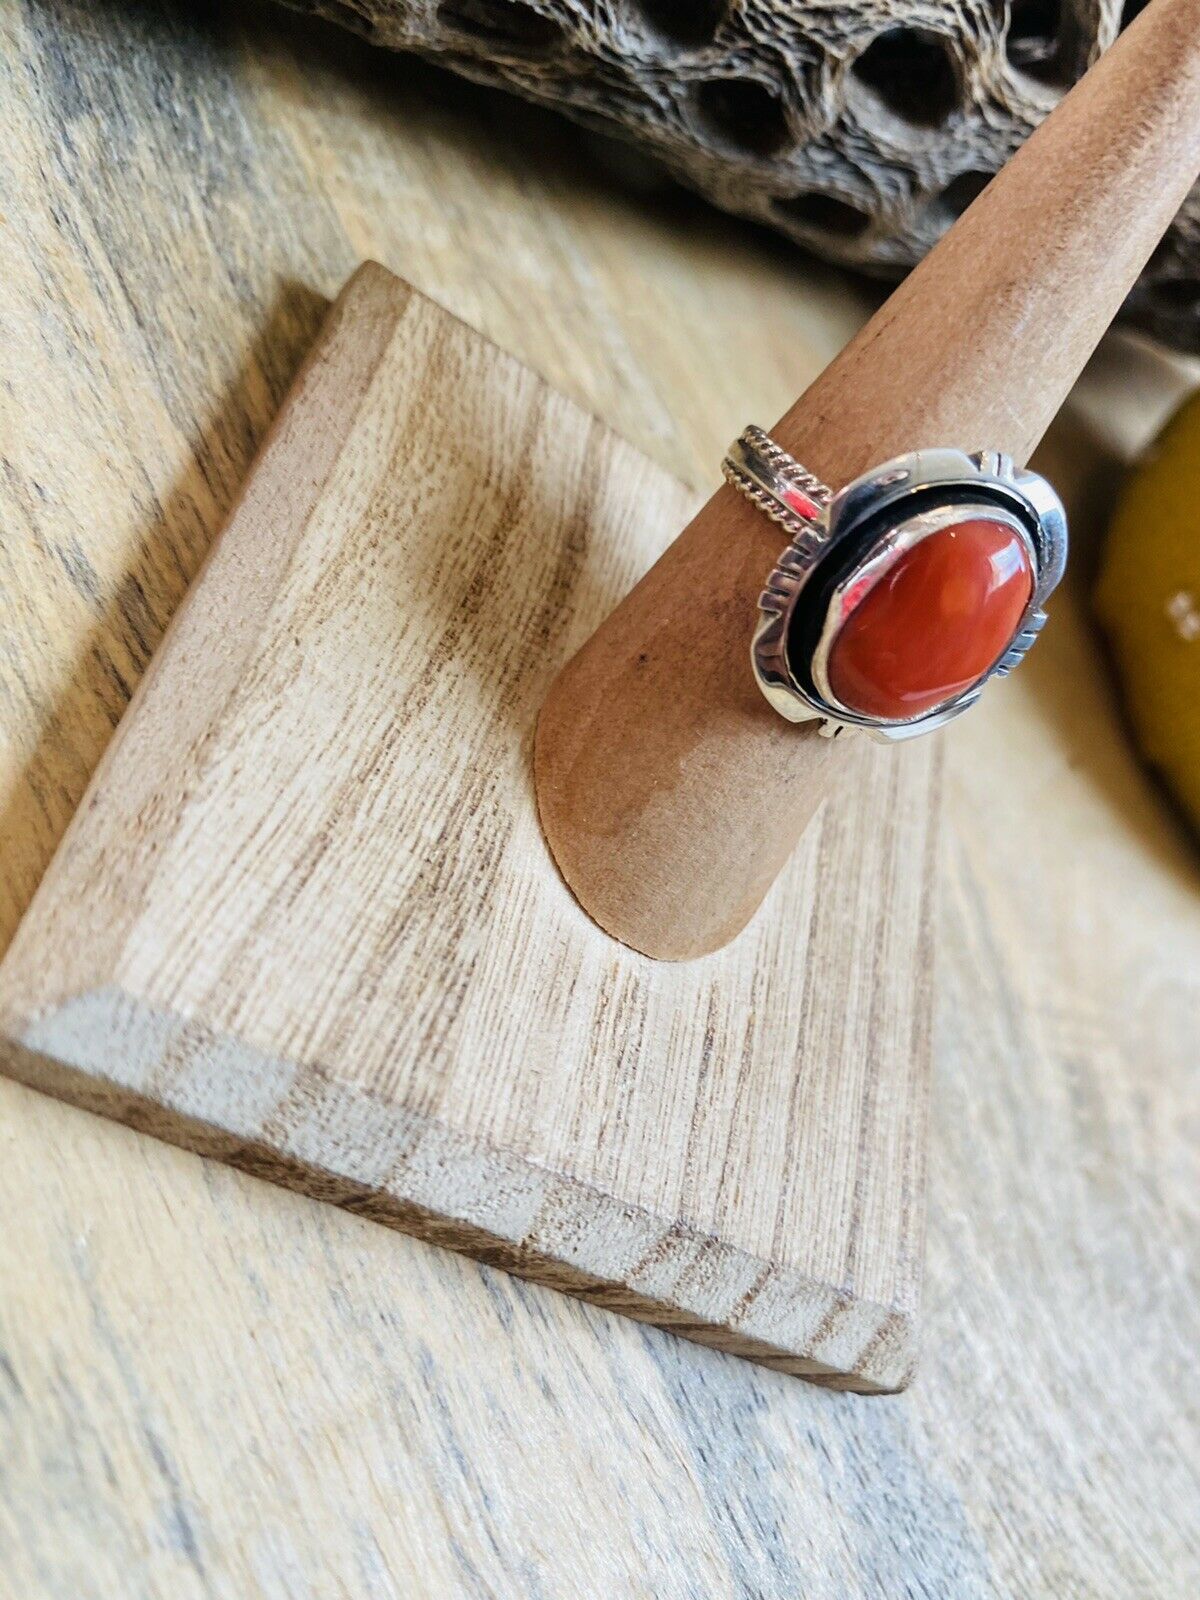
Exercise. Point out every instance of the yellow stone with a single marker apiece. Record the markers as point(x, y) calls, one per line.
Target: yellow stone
point(1148, 600)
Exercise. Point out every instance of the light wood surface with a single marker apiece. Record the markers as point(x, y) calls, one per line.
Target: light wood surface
point(215, 1387)
point(305, 917)
point(670, 791)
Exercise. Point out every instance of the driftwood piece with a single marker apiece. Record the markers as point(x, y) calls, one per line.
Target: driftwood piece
point(861, 130)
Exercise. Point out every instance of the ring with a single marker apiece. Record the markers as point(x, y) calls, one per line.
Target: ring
point(900, 596)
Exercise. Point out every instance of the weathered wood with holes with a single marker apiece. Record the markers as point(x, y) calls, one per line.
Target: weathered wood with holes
point(212, 1389)
point(861, 128)
point(305, 918)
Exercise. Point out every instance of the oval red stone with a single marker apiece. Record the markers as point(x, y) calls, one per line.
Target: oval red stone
point(937, 620)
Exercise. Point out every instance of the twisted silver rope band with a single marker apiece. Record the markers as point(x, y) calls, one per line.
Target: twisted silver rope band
point(775, 482)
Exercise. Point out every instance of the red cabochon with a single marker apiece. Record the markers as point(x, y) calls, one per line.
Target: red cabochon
point(942, 615)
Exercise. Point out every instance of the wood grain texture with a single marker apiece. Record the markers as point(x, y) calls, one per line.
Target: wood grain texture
point(655, 738)
point(305, 916)
point(213, 1387)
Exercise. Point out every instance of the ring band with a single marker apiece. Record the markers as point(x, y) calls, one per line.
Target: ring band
point(898, 597)
point(777, 484)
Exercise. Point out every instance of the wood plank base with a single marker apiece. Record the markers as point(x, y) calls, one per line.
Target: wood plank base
point(305, 921)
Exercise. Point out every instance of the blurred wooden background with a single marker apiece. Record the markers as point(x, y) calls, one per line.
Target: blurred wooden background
point(209, 1387)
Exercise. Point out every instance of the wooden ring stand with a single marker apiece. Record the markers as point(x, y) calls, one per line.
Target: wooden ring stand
point(305, 920)
point(670, 793)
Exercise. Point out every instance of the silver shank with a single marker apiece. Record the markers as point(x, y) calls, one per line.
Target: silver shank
point(777, 484)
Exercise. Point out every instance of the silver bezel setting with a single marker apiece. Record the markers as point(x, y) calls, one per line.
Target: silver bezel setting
point(905, 499)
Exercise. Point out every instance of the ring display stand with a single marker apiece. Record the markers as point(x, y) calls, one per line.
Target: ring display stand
point(671, 794)
point(305, 919)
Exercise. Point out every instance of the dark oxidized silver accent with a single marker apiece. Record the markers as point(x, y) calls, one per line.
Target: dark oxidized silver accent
point(897, 497)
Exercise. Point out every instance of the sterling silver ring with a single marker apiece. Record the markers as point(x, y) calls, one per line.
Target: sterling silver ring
point(900, 596)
